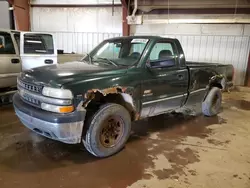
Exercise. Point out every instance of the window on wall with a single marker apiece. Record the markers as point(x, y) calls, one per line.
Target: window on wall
point(6, 44)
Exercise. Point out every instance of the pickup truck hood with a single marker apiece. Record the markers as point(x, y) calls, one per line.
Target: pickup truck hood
point(59, 74)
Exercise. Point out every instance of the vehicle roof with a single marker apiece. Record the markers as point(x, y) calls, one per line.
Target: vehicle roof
point(152, 37)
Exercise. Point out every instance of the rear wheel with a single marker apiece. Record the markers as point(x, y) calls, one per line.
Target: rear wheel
point(212, 104)
point(107, 130)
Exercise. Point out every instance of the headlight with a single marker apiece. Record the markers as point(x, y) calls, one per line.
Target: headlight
point(57, 93)
point(58, 109)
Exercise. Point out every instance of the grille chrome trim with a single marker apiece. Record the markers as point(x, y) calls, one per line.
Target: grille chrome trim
point(30, 87)
point(30, 100)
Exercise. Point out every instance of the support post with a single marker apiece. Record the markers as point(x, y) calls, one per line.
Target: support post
point(125, 26)
point(21, 14)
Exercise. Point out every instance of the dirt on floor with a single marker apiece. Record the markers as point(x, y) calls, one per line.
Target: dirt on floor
point(168, 151)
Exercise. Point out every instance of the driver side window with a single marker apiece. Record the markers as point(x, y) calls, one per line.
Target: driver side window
point(6, 44)
point(162, 55)
point(136, 50)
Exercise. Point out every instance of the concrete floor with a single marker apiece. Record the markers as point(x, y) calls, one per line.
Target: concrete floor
point(163, 152)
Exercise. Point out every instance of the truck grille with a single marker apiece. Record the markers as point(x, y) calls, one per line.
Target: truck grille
point(26, 90)
point(30, 87)
point(30, 99)
point(32, 94)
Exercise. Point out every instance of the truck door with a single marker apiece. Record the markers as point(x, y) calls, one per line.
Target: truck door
point(37, 49)
point(10, 65)
point(165, 84)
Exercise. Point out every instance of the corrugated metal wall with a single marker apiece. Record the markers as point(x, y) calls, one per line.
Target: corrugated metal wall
point(226, 44)
point(77, 29)
point(82, 19)
point(80, 29)
point(80, 42)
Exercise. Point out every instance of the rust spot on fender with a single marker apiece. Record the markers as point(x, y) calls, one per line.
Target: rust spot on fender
point(137, 116)
point(106, 91)
point(111, 90)
point(90, 94)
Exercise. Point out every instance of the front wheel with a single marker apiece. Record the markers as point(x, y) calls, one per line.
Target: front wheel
point(108, 130)
point(212, 104)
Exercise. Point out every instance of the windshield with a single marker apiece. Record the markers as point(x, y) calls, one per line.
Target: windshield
point(119, 52)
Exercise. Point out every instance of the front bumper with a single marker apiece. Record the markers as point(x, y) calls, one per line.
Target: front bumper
point(65, 128)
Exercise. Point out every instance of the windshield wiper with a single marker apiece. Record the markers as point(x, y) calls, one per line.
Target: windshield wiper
point(108, 60)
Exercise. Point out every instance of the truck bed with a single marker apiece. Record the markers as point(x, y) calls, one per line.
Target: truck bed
point(210, 68)
point(202, 64)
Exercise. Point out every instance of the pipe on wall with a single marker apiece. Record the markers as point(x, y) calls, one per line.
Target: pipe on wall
point(11, 17)
point(204, 19)
point(135, 7)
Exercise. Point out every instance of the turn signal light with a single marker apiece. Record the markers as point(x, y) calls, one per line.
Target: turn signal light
point(66, 109)
point(58, 109)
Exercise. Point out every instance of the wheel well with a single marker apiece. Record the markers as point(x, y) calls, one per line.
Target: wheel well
point(216, 84)
point(119, 98)
point(211, 85)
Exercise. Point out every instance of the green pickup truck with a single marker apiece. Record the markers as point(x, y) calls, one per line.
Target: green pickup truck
point(124, 79)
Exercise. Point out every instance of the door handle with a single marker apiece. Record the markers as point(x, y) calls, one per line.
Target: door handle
point(180, 76)
point(15, 61)
point(48, 61)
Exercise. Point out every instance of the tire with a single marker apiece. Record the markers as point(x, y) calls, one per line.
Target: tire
point(212, 104)
point(109, 115)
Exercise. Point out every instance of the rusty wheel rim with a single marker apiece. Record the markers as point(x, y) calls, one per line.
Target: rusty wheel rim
point(112, 131)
